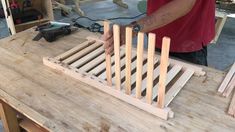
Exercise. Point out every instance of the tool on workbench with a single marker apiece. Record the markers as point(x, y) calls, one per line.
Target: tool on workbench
point(53, 30)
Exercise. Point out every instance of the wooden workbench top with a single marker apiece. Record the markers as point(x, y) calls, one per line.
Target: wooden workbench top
point(60, 103)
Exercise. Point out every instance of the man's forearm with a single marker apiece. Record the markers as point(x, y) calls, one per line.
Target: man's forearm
point(166, 14)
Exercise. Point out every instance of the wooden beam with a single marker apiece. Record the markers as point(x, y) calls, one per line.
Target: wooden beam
point(230, 87)
point(108, 57)
point(163, 71)
point(231, 110)
point(151, 52)
point(139, 66)
point(8, 117)
point(116, 37)
point(128, 59)
point(227, 79)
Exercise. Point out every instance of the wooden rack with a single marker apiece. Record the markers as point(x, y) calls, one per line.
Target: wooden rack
point(143, 79)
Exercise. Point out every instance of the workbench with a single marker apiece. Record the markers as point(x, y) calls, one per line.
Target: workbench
point(60, 103)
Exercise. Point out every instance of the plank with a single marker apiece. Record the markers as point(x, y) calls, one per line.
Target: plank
point(116, 37)
point(170, 75)
point(139, 65)
point(177, 86)
point(93, 63)
point(108, 57)
point(227, 79)
point(94, 81)
point(231, 109)
point(74, 50)
point(133, 64)
point(29, 126)
point(151, 52)
point(101, 67)
point(230, 87)
point(128, 59)
point(83, 52)
point(163, 71)
point(8, 117)
point(92, 55)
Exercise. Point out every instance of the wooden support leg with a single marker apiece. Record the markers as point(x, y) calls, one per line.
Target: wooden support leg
point(163, 71)
point(116, 37)
point(128, 59)
point(8, 117)
point(151, 51)
point(139, 67)
point(108, 57)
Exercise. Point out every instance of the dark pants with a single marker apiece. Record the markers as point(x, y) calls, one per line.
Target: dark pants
point(197, 57)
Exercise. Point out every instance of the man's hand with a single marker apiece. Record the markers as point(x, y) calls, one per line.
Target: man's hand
point(109, 40)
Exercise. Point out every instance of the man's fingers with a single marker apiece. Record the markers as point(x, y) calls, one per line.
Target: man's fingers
point(108, 43)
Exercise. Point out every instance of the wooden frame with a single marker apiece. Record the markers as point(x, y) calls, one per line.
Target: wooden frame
point(142, 69)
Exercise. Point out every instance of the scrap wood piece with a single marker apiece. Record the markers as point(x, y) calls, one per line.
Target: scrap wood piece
point(230, 87)
point(231, 110)
point(227, 79)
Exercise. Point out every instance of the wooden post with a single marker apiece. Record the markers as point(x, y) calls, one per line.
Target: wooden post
point(151, 51)
point(116, 37)
point(8, 117)
point(128, 59)
point(163, 71)
point(108, 57)
point(139, 67)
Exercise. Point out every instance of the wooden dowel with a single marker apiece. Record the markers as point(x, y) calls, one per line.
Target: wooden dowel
point(116, 37)
point(151, 51)
point(230, 87)
point(128, 59)
point(140, 48)
point(108, 57)
point(163, 72)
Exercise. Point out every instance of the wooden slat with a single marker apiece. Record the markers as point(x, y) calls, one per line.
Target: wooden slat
point(74, 50)
point(177, 86)
point(88, 57)
point(139, 68)
point(93, 81)
point(231, 109)
point(128, 59)
point(108, 57)
point(227, 79)
point(151, 51)
point(83, 52)
point(93, 63)
point(116, 37)
point(170, 75)
point(29, 126)
point(163, 71)
point(133, 64)
point(101, 67)
point(230, 87)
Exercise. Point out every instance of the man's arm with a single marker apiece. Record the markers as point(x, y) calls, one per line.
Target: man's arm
point(163, 16)
point(166, 14)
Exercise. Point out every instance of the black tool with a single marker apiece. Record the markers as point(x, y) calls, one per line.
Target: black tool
point(51, 31)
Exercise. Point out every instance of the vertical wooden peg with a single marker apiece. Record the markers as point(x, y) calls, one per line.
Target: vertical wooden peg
point(151, 51)
point(128, 59)
point(163, 71)
point(108, 57)
point(116, 37)
point(140, 49)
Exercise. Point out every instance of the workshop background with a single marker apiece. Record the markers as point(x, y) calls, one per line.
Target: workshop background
point(220, 55)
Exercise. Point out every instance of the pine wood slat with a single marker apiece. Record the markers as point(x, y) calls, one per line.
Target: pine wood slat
point(83, 52)
point(75, 50)
point(88, 57)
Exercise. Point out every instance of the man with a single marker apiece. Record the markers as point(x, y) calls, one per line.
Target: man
point(189, 23)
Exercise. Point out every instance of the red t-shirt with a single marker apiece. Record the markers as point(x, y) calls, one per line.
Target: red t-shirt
point(190, 32)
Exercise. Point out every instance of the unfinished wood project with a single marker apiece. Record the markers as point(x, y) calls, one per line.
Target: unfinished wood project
point(143, 79)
